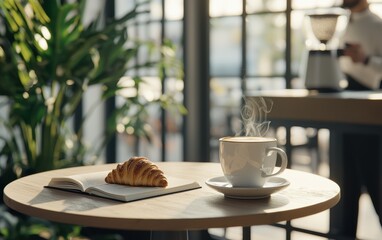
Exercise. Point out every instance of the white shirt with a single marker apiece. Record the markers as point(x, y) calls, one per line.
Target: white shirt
point(365, 28)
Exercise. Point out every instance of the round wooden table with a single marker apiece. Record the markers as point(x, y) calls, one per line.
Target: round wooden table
point(190, 210)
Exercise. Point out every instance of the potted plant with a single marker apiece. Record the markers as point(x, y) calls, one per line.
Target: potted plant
point(48, 60)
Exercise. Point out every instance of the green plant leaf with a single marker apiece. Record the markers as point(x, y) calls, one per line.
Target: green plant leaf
point(48, 78)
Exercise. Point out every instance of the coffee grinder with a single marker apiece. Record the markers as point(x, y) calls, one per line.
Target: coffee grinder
point(323, 31)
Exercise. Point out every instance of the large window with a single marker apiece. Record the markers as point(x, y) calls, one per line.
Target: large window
point(255, 45)
point(164, 21)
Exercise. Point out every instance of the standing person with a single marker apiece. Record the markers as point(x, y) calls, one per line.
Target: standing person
point(362, 64)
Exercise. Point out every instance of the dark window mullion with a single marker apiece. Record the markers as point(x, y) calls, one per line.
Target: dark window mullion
point(288, 47)
point(243, 72)
point(163, 80)
point(110, 104)
point(136, 70)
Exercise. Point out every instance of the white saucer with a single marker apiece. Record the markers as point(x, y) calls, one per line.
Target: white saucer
point(273, 185)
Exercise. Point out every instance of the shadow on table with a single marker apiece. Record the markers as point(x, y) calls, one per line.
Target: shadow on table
point(217, 205)
point(60, 195)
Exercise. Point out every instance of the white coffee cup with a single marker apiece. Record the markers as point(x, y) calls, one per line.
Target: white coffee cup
point(250, 161)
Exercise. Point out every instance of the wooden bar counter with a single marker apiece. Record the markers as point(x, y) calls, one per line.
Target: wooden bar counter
point(300, 105)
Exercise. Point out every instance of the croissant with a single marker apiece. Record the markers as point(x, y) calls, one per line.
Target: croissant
point(137, 171)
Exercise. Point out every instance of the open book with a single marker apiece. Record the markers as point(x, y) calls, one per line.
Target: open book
point(94, 184)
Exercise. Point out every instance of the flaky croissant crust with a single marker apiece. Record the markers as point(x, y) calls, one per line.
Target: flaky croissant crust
point(137, 171)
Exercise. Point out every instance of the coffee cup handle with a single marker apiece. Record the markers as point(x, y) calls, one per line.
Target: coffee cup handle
point(284, 161)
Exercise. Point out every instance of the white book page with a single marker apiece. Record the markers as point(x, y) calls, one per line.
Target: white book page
point(91, 179)
point(79, 181)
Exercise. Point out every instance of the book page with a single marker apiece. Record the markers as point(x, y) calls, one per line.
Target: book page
point(79, 181)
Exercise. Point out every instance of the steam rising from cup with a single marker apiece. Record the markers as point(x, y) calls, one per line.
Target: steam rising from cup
point(254, 117)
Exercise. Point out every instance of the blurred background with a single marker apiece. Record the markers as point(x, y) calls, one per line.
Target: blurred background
point(228, 48)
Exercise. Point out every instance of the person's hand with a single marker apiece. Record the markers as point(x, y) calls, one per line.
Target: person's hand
point(355, 52)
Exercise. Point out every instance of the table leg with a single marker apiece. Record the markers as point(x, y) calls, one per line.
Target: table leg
point(246, 233)
point(169, 235)
point(336, 174)
point(379, 202)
